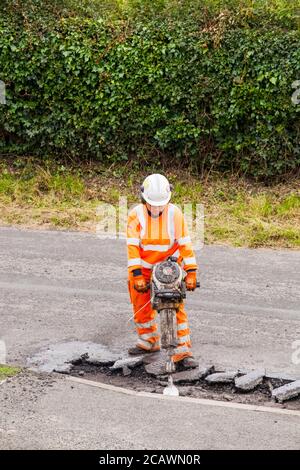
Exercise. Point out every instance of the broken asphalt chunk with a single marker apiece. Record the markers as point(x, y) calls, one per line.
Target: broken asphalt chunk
point(286, 392)
point(101, 357)
point(192, 375)
point(222, 377)
point(155, 357)
point(250, 380)
point(156, 368)
point(126, 371)
point(63, 368)
point(56, 355)
point(130, 362)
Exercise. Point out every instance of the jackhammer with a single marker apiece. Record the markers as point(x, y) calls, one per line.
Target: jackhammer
point(167, 292)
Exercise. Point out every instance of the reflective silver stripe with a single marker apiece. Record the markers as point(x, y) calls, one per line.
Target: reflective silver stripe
point(145, 344)
point(181, 349)
point(140, 213)
point(146, 336)
point(184, 339)
point(134, 262)
point(133, 241)
point(191, 260)
point(184, 240)
point(146, 265)
point(155, 247)
point(171, 224)
point(147, 324)
point(182, 326)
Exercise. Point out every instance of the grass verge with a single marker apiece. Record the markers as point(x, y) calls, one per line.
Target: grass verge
point(8, 371)
point(53, 195)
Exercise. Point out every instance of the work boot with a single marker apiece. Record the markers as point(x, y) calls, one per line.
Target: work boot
point(136, 351)
point(189, 362)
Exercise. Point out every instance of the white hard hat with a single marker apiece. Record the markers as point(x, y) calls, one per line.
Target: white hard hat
point(156, 190)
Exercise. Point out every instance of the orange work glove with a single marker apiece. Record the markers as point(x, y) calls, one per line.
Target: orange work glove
point(140, 283)
point(191, 280)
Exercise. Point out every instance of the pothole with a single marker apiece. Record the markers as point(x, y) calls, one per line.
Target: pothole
point(140, 381)
point(145, 373)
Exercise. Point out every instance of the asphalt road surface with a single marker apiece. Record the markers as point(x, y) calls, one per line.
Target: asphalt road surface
point(64, 286)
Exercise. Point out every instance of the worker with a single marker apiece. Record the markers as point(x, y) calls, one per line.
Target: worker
point(156, 229)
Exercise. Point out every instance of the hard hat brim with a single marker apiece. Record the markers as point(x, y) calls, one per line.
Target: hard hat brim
point(157, 203)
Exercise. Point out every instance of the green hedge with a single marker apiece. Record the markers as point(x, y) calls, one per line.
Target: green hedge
point(217, 94)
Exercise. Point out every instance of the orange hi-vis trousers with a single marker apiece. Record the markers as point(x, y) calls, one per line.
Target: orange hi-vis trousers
point(145, 319)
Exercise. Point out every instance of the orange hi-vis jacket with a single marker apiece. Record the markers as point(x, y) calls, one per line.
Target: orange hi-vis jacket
point(152, 239)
